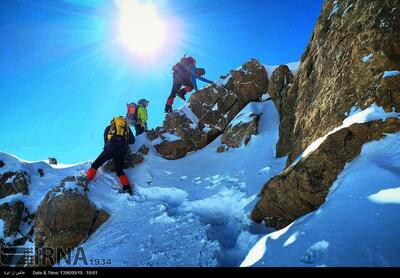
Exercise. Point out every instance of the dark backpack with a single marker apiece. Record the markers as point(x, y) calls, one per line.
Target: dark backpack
point(184, 67)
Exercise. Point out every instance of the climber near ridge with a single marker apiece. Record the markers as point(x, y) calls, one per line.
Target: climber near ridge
point(142, 117)
point(117, 136)
point(184, 74)
point(137, 115)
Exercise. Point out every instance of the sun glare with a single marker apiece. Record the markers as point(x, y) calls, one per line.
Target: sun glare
point(140, 27)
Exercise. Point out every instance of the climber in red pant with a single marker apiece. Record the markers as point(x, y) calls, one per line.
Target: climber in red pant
point(117, 137)
point(184, 74)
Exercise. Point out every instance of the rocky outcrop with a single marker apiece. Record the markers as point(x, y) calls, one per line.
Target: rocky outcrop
point(279, 83)
point(11, 214)
point(65, 218)
point(13, 183)
point(303, 187)
point(210, 111)
point(178, 136)
point(241, 132)
point(354, 43)
point(2, 164)
point(52, 161)
point(130, 160)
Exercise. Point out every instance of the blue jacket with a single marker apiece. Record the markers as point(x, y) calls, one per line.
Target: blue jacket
point(194, 77)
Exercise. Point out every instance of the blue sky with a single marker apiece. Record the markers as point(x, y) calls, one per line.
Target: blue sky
point(63, 76)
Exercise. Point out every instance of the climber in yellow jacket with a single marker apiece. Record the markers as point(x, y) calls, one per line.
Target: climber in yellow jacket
point(142, 117)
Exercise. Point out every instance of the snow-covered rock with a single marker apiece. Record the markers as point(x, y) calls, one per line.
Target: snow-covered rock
point(65, 218)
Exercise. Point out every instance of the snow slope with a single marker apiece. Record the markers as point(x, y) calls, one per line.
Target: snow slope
point(359, 223)
point(189, 212)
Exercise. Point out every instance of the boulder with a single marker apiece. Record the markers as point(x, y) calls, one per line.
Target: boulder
point(65, 218)
point(53, 161)
point(303, 187)
point(40, 172)
point(13, 183)
point(2, 164)
point(221, 148)
point(353, 44)
point(178, 136)
point(11, 214)
point(241, 131)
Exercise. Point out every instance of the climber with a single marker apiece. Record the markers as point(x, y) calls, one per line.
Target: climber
point(141, 118)
point(117, 137)
point(184, 74)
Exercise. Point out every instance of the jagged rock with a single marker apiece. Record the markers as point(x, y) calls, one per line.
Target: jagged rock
point(343, 66)
point(279, 83)
point(215, 106)
point(240, 133)
point(172, 150)
point(221, 148)
point(178, 136)
point(130, 161)
point(210, 111)
point(53, 161)
point(65, 218)
point(41, 172)
point(2, 164)
point(13, 183)
point(11, 215)
point(303, 187)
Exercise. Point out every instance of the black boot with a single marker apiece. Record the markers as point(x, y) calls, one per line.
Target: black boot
point(168, 108)
point(127, 189)
point(182, 94)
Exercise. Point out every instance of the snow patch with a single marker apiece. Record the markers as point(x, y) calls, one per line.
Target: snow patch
point(168, 137)
point(347, 10)
point(224, 80)
point(386, 196)
point(334, 10)
point(257, 252)
point(387, 74)
point(315, 252)
point(291, 239)
point(367, 58)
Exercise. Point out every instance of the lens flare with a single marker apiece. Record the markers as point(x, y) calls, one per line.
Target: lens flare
point(140, 27)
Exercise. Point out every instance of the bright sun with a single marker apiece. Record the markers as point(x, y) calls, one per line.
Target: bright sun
point(140, 27)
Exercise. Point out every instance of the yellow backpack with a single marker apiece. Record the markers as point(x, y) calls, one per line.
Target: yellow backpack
point(119, 127)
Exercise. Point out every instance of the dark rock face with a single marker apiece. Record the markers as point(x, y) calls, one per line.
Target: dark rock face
point(65, 218)
point(353, 44)
point(209, 112)
point(11, 215)
point(303, 187)
point(2, 164)
point(239, 134)
point(13, 183)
